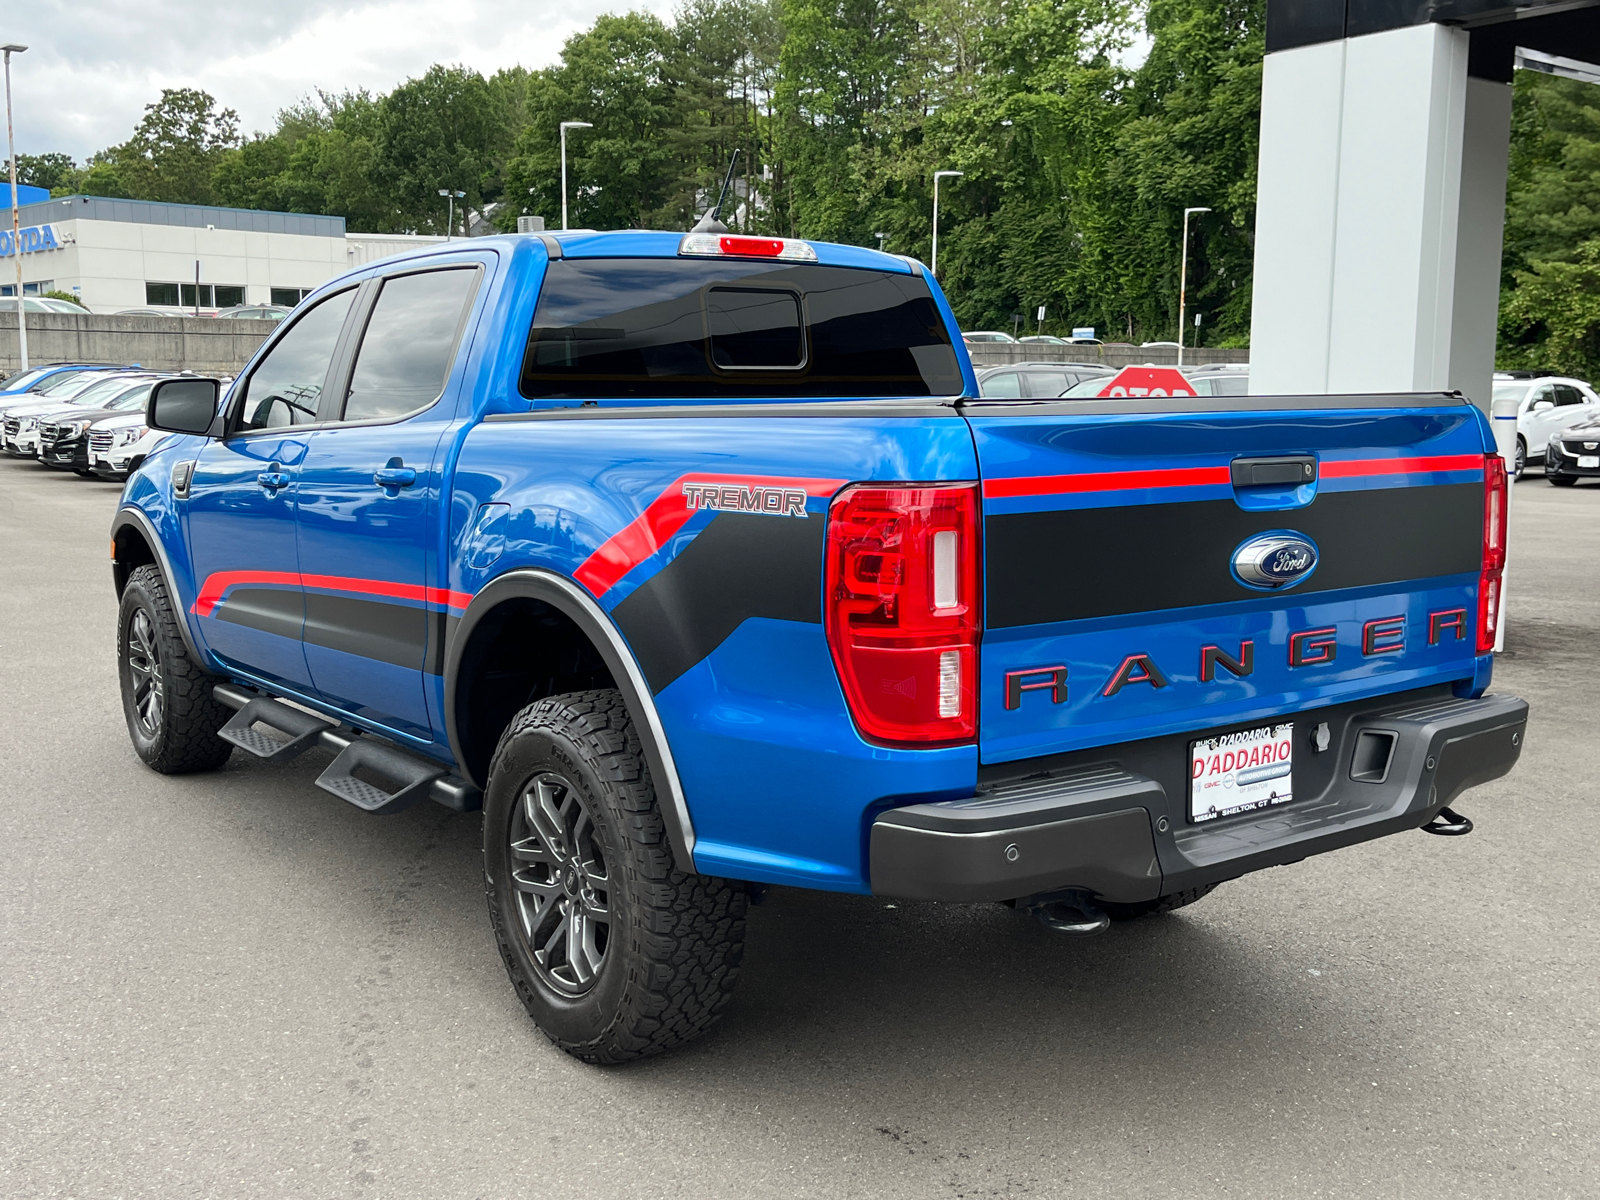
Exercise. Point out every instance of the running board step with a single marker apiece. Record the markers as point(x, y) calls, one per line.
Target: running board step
point(414, 776)
point(418, 778)
point(301, 729)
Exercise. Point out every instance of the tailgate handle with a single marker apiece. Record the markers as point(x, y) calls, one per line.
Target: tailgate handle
point(1293, 471)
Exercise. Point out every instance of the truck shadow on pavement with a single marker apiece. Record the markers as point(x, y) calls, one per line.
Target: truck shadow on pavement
point(862, 985)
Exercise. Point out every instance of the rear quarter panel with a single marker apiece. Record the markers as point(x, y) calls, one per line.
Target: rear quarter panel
point(723, 608)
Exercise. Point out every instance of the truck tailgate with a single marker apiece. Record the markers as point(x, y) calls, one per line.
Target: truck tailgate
point(1120, 599)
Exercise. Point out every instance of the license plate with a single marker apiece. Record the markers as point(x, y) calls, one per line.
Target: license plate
point(1589, 460)
point(1241, 772)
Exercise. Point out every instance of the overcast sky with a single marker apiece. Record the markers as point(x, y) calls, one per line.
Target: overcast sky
point(92, 65)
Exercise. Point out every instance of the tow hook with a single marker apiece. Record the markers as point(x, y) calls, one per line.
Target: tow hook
point(1448, 823)
point(1071, 913)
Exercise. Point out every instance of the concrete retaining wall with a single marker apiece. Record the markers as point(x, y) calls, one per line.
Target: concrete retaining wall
point(211, 346)
point(999, 354)
point(202, 344)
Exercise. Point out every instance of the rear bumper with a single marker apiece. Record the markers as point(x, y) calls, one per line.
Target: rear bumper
point(1114, 823)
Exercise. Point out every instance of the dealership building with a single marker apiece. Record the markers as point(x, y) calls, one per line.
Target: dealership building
point(123, 254)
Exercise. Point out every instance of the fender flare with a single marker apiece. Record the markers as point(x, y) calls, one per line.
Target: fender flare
point(572, 601)
point(130, 516)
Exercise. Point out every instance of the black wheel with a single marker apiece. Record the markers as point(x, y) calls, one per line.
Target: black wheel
point(1562, 480)
point(1161, 904)
point(166, 697)
point(614, 952)
point(1519, 460)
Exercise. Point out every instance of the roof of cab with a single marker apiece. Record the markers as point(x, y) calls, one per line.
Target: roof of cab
point(649, 243)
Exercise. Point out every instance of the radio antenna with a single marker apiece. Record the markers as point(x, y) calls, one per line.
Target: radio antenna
point(710, 223)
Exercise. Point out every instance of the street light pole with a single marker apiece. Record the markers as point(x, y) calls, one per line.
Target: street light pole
point(16, 206)
point(934, 268)
point(450, 221)
point(1183, 277)
point(566, 125)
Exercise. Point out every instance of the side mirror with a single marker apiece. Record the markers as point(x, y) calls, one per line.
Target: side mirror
point(183, 405)
point(1543, 405)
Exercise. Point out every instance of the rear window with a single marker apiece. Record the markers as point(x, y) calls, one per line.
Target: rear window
point(730, 329)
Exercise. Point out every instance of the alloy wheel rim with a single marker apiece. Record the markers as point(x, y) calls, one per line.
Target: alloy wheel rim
point(144, 667)
point(561, 883)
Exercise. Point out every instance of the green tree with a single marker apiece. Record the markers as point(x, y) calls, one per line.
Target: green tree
point(176, 148)
point(1550, 293)
point(622, 172)
point(46, 170)
point(433, 133)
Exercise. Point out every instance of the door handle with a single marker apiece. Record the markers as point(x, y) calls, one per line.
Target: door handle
point(394, 475)
point(273, 480)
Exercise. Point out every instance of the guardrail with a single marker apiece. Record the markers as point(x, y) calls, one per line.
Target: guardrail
point(205, 345)
point(1000, 354)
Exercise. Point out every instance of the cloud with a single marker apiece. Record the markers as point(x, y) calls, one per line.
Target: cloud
point(92, 65)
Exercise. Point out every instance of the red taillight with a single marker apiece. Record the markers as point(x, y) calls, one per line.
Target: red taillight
point(903, 610)
point(1494, 551)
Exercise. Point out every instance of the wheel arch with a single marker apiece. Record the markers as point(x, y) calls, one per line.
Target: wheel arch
point(135, 543)
point(474, 728)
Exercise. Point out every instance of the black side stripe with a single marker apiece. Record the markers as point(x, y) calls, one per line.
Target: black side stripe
point(741, 565)
point(271, 610)
point(1095, 562)
point(400, 634)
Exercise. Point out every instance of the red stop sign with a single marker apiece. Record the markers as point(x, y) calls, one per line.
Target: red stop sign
point(1147, 381)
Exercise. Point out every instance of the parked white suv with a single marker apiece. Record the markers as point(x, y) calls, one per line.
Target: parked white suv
point(118, 444)
point(1546, 405)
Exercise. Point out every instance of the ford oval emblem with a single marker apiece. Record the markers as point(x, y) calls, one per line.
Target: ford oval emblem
point(1279, 559)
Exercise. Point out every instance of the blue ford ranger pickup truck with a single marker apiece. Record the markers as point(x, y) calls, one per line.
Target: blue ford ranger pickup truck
point(696, 563)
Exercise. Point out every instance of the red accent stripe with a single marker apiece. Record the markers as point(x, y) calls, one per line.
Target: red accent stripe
point(1105, 481)
point(1117, 481)
point(1351, 468)
point(211, 592)
point(217, 585)
point(666, 514)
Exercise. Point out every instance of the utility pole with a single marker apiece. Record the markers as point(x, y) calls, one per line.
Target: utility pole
point(566, 125)
point(933, 269)
point(16, 206)
point(450, 221)
point(1183, 277)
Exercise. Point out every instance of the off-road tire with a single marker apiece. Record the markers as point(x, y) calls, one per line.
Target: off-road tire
point(1161, 904)
point(674, 940)
point(182, 738)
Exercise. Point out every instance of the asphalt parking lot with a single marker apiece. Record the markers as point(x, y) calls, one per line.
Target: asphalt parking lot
point(234, 985)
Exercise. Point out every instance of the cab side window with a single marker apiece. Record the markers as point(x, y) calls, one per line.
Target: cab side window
point(285, 387)
point(1044, 384)
point(410, 343)
point(1007, 385)
point(1567, 394)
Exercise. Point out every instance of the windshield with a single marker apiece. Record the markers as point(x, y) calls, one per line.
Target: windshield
point(1089, 387)
point(23, 379)
point(100, 392)
point(66, 383)
point(135, 397)
point(1511, 391)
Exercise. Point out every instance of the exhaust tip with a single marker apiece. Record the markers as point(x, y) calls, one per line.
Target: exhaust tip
point(1073, 915)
